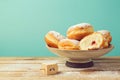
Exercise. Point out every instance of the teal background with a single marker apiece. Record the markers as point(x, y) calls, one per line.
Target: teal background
point(23, 23)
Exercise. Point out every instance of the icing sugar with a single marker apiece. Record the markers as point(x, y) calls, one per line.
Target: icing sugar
point(81, 25)
point(56, 34)
point(104, 31)
point(71, 40)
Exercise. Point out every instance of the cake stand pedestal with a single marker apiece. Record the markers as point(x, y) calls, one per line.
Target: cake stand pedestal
point(79, 63)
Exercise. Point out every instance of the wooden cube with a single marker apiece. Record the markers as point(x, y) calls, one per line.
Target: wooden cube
point(49, 68)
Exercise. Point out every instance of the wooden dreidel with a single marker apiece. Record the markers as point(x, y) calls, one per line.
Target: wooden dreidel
point(49, 68)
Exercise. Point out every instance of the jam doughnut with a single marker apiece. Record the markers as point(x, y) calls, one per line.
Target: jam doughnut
point(92, 41)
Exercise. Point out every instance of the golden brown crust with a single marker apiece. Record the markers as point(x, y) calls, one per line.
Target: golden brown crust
point(68, 44)
point(51, 43)
point(52, 38)
point(79, 31)
point(107, 37)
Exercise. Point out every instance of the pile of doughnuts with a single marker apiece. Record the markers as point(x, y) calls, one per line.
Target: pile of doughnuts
point(79, 37)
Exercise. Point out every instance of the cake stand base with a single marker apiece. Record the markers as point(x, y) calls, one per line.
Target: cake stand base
point(79, 63)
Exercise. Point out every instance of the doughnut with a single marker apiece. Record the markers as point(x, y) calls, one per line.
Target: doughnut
point(52, 38)
point(92, 41)
point(79, 31)
point(106, 35)
point(68, 44)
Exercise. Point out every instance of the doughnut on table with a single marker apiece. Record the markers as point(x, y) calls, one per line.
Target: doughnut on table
point(28, 68)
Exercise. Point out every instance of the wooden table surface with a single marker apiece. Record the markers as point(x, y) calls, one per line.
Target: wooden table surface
point(28, 68)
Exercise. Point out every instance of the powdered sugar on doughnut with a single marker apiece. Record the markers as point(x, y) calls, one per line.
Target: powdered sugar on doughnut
point(104, 32)
point(75, 42)
point(56, 34)
point(81, 25)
